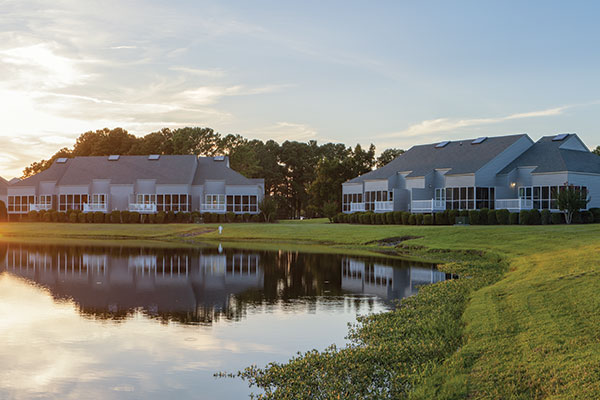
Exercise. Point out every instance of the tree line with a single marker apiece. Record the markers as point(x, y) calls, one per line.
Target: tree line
point(302, 179)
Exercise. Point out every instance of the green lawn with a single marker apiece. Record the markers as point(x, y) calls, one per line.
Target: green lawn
point(534, 333)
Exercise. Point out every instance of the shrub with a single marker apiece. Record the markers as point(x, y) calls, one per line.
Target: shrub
point(161, 216)
point(246, 217)
point(419, 219)
point(545, 217)
point(524, 217)
point(389, 218)
point(47, 217)
point(535, 217)
point(89, 217)
point(475, 217)
point(441, 218)
point(492, 218)
point(33, 216)
point(134, 217)
point(397, 216)
point(222, 218)
point(557, 218)
point(587, 217)
point(255, 218)
point(428, 219)
point(464, 213)
point(99, 217)
point(151, 218)
point(170, 217)
point(596, 213)
point(577, 219)
point(483, 215)
point(62, 217)
point(373, 218)
point(380, 219)
point(412, 219)
point(230, 217)
point(503, 217)
point(115, 217)
point(73, 218)
point(514, 219)
point(53, 216)
point(81, 218)
point(452, 214)
point(405, 218)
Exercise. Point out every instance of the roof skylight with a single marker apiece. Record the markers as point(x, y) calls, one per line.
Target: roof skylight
point(560, 137)
point(479, 140)
point(61, 160)
point(442, 144)
point(219, 158)
point(153, 156)
point(113, 157)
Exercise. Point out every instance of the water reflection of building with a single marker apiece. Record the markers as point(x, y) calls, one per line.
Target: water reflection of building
point(193, 286)
point(388, 282)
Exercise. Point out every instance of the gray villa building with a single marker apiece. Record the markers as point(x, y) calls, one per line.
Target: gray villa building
point(504, 172)
point(145, 184)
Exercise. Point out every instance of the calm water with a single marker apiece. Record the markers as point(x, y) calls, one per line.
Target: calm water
point(146, 323)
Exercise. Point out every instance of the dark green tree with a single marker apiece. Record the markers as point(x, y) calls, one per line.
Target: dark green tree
point(570, 200)
point(387, 156)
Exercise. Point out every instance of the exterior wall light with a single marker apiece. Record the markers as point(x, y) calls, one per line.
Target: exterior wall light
point(513, 184)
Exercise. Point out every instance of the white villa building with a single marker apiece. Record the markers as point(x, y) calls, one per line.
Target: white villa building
point(145, 184)
point(504, 172)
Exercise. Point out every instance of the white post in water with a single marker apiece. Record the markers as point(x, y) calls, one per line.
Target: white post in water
point(220, 229)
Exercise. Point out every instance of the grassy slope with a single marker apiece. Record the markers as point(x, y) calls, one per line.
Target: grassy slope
point(533, 334)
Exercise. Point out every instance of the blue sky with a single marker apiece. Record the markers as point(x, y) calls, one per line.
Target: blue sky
point(390, 73)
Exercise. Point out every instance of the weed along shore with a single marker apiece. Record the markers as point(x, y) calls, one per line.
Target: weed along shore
point(521, 322)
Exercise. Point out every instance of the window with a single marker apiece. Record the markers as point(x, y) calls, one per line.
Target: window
point(145, 199)
point(214, 202)
point(242, 203)
point(71, 201)
point(546, 197)
point(20, 204)
point(179, 202)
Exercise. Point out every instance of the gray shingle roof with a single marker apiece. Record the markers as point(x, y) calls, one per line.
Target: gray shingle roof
point(460, 157)
point(52, 174)
point(547, 156)
point(209, 169)
point(3, 185)
point(169, 169)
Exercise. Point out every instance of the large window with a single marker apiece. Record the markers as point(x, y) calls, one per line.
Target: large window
point(145, 199)
point(45, 201)
point(174, 202)
point(98, 198)
point(20, 204)
point(373, 197)
point(347, 199)
point(468, 198)
point(242, 203)
point(72, 201)
point(546, 197)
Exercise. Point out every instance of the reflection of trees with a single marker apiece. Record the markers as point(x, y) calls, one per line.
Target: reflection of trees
point(199, 296)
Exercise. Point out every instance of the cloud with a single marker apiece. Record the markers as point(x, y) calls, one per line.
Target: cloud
point(433, 126)
point(282, 131)
point(211, 73)
point(122, 47)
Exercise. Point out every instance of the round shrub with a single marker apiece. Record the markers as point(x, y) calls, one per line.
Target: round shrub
point(230, 216)
point(134, 217)
point(587, 217)
point(33, 216)
point(404, 217)
point(89, 217)
point(373, 218)
point(151, 218)
point(428, 219)
point(171, 217)
point(47, 217)
point(503, 217)
point(161, 216)
point(464, 213)
point(221, 218)
point(419, 219)
point(246, 217)
point(534, 217)
point(452, 214)
point(115, 217)
point(397, 215)
point(99, 217)
point(73, 218)
point(62, 217)
point(441, 218)
point(514, 219)
point(596, 212)
point(557, 218)
point(545, 217)
point(389, 218)
point(412, 219)
point(474, 217)
point(255, 218)
point(492, 218)
point(379, 219)
point(524, 217)
point(483, 215)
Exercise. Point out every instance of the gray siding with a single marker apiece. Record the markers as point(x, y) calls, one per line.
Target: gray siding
point(487, 174)
point(592, 182)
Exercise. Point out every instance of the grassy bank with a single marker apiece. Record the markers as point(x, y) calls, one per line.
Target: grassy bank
point(524, 326)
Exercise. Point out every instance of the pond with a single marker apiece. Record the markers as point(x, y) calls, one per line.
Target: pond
point(142, 322)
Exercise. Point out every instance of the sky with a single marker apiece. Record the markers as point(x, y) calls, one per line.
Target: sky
point(392, 73)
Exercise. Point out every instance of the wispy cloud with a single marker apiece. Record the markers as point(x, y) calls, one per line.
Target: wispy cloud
point(434, 126)
point(282, 131)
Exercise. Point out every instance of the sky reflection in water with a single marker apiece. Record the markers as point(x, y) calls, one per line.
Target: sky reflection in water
point(88, 323)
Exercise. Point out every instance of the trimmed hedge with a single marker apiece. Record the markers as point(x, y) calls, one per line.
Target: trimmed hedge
point(545, 217)
point(503, 217)
point(475, 217)
point(492, 218)
point(419, 219)
point(428, 219)
point(557, 218)
point(514, 218)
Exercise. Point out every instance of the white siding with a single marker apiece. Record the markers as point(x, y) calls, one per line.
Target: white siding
point(119, 197)
point(100, 186)
point(172, 189)
point(350, 188)
point(548, 179)
point(376, 185)
point(243, 189)
point(145, 186)
point(592, 182)
point(197, 196)
point(415, 183)
point(214, 187)
point(21, 191)
point(47, 188)
point(79, 189)
point(574, 143)
point(460, 180)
